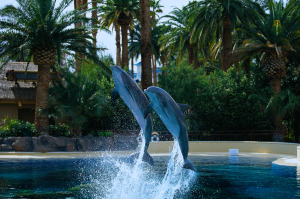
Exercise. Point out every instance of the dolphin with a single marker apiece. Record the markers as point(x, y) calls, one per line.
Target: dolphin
point(137, 102)
point(172, 116)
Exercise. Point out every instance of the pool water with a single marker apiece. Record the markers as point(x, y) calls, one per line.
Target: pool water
point(219, 176)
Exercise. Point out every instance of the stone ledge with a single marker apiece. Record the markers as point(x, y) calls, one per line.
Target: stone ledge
point(65, 144)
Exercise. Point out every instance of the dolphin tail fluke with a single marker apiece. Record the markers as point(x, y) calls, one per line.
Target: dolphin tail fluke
point(189, 165)
point(146, 158)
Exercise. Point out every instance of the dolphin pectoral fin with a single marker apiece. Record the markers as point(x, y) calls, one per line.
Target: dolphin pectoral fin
point(189, 165)
point(183, 107)
point(114, 96)
point(147, 111)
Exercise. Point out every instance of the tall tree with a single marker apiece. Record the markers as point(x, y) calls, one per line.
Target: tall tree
point(108, 17)
point(216, 19)
point(95, 21)
point(146, 43)
point(44, 32)
point(178, 39)
point(122, 11)
point(274, 35)
point(80, 5)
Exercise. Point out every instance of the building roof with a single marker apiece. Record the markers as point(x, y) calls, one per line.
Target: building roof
point(22, 90)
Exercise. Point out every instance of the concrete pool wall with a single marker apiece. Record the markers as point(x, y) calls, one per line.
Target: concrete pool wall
point(224, 146)
point(195, 147)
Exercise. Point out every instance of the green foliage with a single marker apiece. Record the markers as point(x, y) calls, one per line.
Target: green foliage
point(40, 24)
point(79, 98)
point(59, 130)
point(105, 133)
point(218, 100)
point(16, 128)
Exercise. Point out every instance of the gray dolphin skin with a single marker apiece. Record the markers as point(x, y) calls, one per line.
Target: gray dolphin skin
point(136, 101)
point(172, 116)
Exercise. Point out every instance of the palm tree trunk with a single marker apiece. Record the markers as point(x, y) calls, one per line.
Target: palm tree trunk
point(94, 16)
point(42, 98)
point(146, 43)
point(227, 42)
point(196, 59)
point(79, 4)
point(132, 57)
point(190, 54)
point(276, 85)
point(118, 53)
point(246, 66)
point(125, 61)
point(154, 70)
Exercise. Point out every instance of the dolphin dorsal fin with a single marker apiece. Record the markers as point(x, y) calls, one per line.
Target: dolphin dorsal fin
point(147, 111)
point(114, 96)
point(183, 107)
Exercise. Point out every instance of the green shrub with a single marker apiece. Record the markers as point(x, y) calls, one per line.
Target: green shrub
point(60, 130)
point(104, 133)
point(16, 128)
point(219, 101)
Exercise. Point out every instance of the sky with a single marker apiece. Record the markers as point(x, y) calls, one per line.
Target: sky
point(108, 40)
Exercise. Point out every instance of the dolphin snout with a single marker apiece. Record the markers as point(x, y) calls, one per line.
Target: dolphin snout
point(115, 68)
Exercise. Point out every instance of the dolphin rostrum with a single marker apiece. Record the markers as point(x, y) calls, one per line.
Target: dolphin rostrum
point(172, 116)
point(136, 101)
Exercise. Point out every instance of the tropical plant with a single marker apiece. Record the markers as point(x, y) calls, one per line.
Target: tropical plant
point(16, 128)
point(219, 101)
point(214, 20)
point(45, 32)
point(78, 97)
point(178, 39)
point(278, 106)
point(135, 45)
point(109, 17)
point(274, 35)
point(123, 12)
point(60, 130)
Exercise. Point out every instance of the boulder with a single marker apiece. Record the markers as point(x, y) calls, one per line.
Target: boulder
point(6, 147)
point(70, 147)
point(70, 144)
point(23, 144)
point(9, 140)
point(41, 144)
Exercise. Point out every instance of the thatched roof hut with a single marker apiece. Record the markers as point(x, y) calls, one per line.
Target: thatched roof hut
point(17, 98)
point(20, 90)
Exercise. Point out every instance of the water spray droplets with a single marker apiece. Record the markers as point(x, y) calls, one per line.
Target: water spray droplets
point(141, 180)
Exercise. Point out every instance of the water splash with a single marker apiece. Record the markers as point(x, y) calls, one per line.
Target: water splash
point(141, 180)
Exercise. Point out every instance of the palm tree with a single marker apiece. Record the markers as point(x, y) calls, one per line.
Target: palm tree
point(122, 11)
point(146, 43)
point(215, 19)
point(80, 5)
point(274, 35)
point(94, 23)
point(178, 39)
point(278, 106)
point(45, 32)
point(76, 99)
point(109, 17)
point(135, 45)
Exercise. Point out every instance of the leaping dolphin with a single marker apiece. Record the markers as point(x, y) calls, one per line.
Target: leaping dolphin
point(137, 102)
point(172, 116)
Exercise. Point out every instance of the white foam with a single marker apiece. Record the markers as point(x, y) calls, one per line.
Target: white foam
point(142, 181)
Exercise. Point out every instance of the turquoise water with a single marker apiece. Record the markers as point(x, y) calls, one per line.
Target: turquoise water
point(219, 177)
